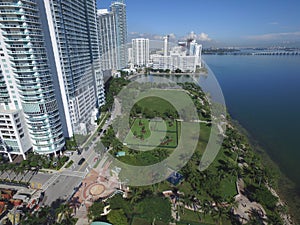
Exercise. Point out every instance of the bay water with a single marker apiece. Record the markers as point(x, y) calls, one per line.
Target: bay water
point(263, 94)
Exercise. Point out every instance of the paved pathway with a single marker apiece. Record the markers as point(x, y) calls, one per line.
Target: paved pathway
point(71, 173)
point(245, 206)
point(82, 221)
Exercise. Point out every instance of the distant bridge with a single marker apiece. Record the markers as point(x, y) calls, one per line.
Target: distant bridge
point(277, 53)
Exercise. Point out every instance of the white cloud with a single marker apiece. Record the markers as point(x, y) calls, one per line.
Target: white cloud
point(203, 37)
point(200, 37)
point(191, 35)
point(131, 35)
point(172, 36)
point(275, 36)
point(157, 37)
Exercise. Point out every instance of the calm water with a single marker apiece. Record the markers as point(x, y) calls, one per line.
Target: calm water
point(263, 94)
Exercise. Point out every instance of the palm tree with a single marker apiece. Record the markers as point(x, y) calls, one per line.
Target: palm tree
point(260, 174)
point(154, 187)
point(63, 214)
point(43, 216)
point(162, 154)
point(19, 170)
point(132, 151)
point(233, 204)
point(188, 200)
point(9, 169)
point(205, 207)
point(220, 213)
point(2, 167)
point(256, 217)
point(74, 204)
point(137, 196)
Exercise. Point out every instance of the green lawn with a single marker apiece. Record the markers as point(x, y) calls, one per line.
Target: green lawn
point(194, 218)
point(80, 139)
point(228, 183)
point(144, 211)
point(228, 187)
point(142, 158)
point(155, 207)
point(191, 216)
point(162, 140)
point(140, 128)
point(147, 133)
point(141, 221)
point(156, 104)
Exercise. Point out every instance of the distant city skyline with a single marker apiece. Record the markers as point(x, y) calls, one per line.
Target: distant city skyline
point(236, 23)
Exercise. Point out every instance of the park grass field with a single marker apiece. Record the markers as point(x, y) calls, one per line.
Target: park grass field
point(153, 133)
point(157, 104)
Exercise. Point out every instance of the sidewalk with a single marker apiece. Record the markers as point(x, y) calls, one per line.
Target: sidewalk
point(75, 157)
point(82, 221)
point(96, 130)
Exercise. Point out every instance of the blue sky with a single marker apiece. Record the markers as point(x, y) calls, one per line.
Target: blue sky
point(230, 22)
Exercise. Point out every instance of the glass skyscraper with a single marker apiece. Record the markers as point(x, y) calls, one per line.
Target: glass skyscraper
point(108, 40)
point(118, 8)
point(72, 31)
point(113, 36)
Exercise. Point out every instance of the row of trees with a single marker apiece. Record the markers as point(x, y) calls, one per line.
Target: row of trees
point(34, 162)
point(236, 149)
point(63, 215)
point(115, 216)
point(116, 85)
point(255, 176)
point(198, 95)
point(162, 70)
point(146, 112)
point(143, 204)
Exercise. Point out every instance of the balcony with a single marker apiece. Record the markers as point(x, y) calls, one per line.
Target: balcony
point(8, 19)
point(8, 12)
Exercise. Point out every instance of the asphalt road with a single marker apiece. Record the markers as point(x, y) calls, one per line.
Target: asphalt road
point(63, 184)
point(60, 185)
point(61, 189)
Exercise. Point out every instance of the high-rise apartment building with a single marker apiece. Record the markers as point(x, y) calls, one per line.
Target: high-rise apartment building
point(166, 45)
point(107, 34)
point(185, 57)
point(29, 116)
point(71, 31)
point(113, 36)
point(118, 8)
point(140, 51)
point(50, 76)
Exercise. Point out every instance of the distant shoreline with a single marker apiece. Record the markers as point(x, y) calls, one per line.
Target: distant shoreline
point(253, 54)
point(201, 73)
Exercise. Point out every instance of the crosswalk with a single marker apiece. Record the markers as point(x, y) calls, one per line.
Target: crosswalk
point(71, 173)
point(50, 181)
point(101, 163)
point(68, 173)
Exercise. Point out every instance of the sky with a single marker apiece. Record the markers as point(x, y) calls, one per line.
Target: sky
point(230, 22)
